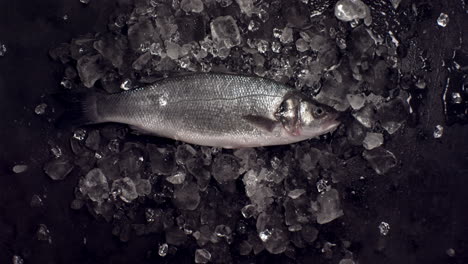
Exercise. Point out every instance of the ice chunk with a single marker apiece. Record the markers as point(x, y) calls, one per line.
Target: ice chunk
point(163, 249)
point(246, 6)
point(347, 261)
point(202, 256)
point(384, 228)
point(349, 10)
point(186, 196)
point(20, 168)
point(286, 35)
point(381, 160)
point(125, 188)
point(90, 69)
point(329, 206)
point(142, 33)
point(443, 20)
point(162, 159)
point(172, 50)
point(131, 161)
point(438, 131)
point(372, 140)
point(395, 3)
point(36, 201)
point(195, 6)
point(245, 248)
point(450, 252)
point(58, 169)
point(366, 116)
point(3, 49)
point(17, 260)
point(248, 211)
point(175, 236)
point(40, 109)
point(177, 178)
point(112, 48)
point(43, 233)
point(356, 101)
point(225, 32)
point(301, 45)
point(183, 153)
point(225, 168)
point(95, 185)
point(296, 193)
point(275, 241)
point(143, 187)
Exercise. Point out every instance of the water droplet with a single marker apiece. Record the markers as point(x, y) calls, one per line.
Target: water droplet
point(3, 49)
point(456, 98)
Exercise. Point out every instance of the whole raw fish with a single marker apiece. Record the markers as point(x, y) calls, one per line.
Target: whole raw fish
point(211, 109)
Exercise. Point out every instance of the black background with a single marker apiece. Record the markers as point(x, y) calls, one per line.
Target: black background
point(425, 200)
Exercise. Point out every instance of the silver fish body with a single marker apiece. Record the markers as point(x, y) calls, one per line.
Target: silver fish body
point(221, 110)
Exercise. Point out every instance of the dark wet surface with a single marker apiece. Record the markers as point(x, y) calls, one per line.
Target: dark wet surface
point(425, 199)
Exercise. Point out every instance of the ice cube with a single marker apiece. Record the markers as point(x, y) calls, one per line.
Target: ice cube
point(183, 153)
point(126, 189)
point(349, 10)
point(372, 140)
point(246, 6)
point(443, 20)
point(380, 159)
point(225, 32)
point(172, 50)
point(275, 241)
point(202, 256)
point(195, 6)
point(163, 249)
point(162, 159)
point(143, 187)
point(248, 211)
point(131, 161)
point(112, 48)
point(438, 131)
point(302, 45)
point(142, 33)
point(356, 101)
point(36, 201)
point(90, 69)
point(3, 49)
point(43, 233)
point(245, 248)
point(329, 206)
point(186, 196)
point(225, 168)
point(95, 185)
point(177, 178)
point(366, 116)
point(17, 260)
point(40, 109)
point(395, 3)
point(286, 35)
point(20, 168)
point(58, 169)
point(384, 228)
point(296, 193)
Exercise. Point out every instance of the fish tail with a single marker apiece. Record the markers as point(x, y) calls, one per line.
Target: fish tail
point(79, 109)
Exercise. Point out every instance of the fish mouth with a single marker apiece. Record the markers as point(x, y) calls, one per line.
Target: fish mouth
point(331, 126)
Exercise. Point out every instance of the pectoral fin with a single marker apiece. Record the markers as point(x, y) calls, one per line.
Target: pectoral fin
point(261, 122)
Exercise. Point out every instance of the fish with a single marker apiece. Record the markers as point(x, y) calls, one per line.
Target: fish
point(212, 109)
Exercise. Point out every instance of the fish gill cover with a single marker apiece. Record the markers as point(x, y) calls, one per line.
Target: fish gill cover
point(231, 205)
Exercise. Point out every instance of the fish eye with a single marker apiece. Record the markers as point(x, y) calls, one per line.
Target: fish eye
point(318, 112)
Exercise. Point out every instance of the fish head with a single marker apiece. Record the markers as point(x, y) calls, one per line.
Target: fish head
point(316, 119)
point(301, 116)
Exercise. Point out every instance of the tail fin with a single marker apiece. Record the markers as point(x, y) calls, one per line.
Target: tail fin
point(79, 109)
